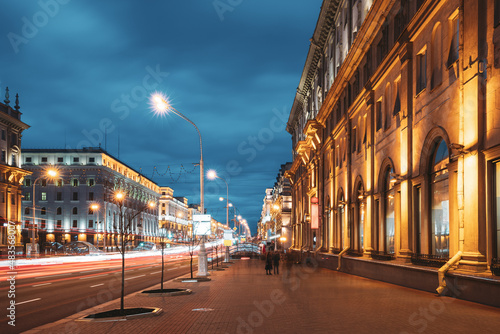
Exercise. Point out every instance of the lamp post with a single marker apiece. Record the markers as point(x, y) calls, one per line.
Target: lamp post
point(161, 105)
point(51, 173)
point(95, 210)
point(212, 175)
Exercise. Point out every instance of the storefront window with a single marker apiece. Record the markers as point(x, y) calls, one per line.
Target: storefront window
point(440, 203)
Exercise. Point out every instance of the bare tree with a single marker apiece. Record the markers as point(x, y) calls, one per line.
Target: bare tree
point(124, 228)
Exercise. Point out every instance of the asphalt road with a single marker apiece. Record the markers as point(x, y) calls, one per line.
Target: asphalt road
point(51, 292)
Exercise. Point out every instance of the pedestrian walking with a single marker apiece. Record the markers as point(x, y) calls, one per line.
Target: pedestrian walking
point(276, 262)
point(269, 263)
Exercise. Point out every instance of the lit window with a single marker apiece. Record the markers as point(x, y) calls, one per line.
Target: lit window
point(421, 71)
point(44, 196)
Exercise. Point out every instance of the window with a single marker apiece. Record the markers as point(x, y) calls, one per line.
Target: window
point(496, 22)
point(13, 199)
point(378, 112)
point(496, 203)
point(361, 218)
point(13, 138)
point(43, 223)
point(421, 71)
point(44, 196)
point(74, 182)
point(3, 197)
point(353, 140)
point(60, 160)
point(75, 223)
point(3, 134)
point(44, 182)
point(44, 159)
point(59, 223)
point(75, 210)
point(14, 160)
point(76, 160)
point(397, 102)
point(91, 182)
point(28, 159)
point(59, 211)
point(389, 211)
point(43, 211)
point(91, 196)
point(387, 107)
point(27, 182)
point(4, 156)
point(91, 223)
point(91, 211)
point(59, 196)
point(75, 196)
point(27, 197)
point(59, 183)
point(454, 41)
point(436, 55)
point(162, 212)
point(91, 160)
point(27, 211)
point(440, 204)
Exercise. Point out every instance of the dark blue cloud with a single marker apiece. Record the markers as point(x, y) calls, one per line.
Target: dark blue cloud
point(93, 62)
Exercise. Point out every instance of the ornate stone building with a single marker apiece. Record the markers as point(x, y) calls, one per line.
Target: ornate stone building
point(11, 175)
point(396, 131)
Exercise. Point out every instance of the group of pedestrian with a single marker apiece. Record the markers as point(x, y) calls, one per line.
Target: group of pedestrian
point(273, 263)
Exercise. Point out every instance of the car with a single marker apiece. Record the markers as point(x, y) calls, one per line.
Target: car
point(52, 248)
point(80, 248)
point(145, 246)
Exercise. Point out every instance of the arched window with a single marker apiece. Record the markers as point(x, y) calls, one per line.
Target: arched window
point(59, 211)
point(440, 204)
point(389, 210)
point(75, 210)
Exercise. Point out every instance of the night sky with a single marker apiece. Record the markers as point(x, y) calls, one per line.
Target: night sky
point(86, 68)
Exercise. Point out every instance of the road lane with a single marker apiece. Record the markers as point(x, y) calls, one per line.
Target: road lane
point(43, 299)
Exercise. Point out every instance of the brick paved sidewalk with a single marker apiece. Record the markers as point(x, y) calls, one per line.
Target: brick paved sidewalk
point(242, 299)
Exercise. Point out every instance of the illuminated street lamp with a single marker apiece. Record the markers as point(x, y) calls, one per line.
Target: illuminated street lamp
point(212, 175)
point(50, 174)
point(161, 105)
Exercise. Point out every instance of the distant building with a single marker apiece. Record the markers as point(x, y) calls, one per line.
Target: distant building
point(175, 216)
point(267, 227)
point(282, 207)
point(86, 177)
point(11, 175)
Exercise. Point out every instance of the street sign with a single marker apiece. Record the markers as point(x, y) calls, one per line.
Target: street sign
point(202, 225)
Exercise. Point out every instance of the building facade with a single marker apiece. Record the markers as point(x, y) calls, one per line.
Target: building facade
point(281, 208)
point(79, 203)
point(11, 175)
point(175, 216)
point(396, 132)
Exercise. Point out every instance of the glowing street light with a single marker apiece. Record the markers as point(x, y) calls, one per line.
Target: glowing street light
point(50, 174)
point(161, 106)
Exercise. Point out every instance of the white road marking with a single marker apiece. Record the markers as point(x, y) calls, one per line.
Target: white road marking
point(156, 272)
point(134, 277)
point(93, 286)
point(52, 275)
point(93, 276)
point(40, 284)
point(28, 301)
